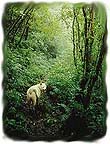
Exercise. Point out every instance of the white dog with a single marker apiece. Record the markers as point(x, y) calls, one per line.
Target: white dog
point(34, 92)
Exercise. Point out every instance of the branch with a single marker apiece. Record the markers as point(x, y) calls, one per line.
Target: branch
point(17, 20)
point(86, 40)
point(20, 19)
point(24, 30)
point(74, 47)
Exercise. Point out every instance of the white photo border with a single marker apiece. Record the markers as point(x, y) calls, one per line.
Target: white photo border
point(104, 140)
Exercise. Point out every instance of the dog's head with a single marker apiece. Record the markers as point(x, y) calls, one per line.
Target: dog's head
point(43, 86)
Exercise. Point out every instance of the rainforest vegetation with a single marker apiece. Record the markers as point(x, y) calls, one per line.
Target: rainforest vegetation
point(65, 45)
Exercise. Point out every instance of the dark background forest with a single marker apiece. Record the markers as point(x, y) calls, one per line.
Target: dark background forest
point(65, 44)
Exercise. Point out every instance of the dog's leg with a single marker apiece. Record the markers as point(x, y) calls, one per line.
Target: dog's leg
point(33, 97)
point(27, 98)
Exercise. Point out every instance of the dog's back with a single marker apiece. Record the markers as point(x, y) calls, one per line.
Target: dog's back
point(34, 88)
point(35, 91)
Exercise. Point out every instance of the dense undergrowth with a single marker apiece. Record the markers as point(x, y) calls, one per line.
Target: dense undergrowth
point(42, 48)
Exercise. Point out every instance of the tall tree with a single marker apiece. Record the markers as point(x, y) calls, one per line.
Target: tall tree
point(90, 66)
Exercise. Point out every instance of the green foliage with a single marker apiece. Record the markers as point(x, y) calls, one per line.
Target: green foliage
point(42, 48)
